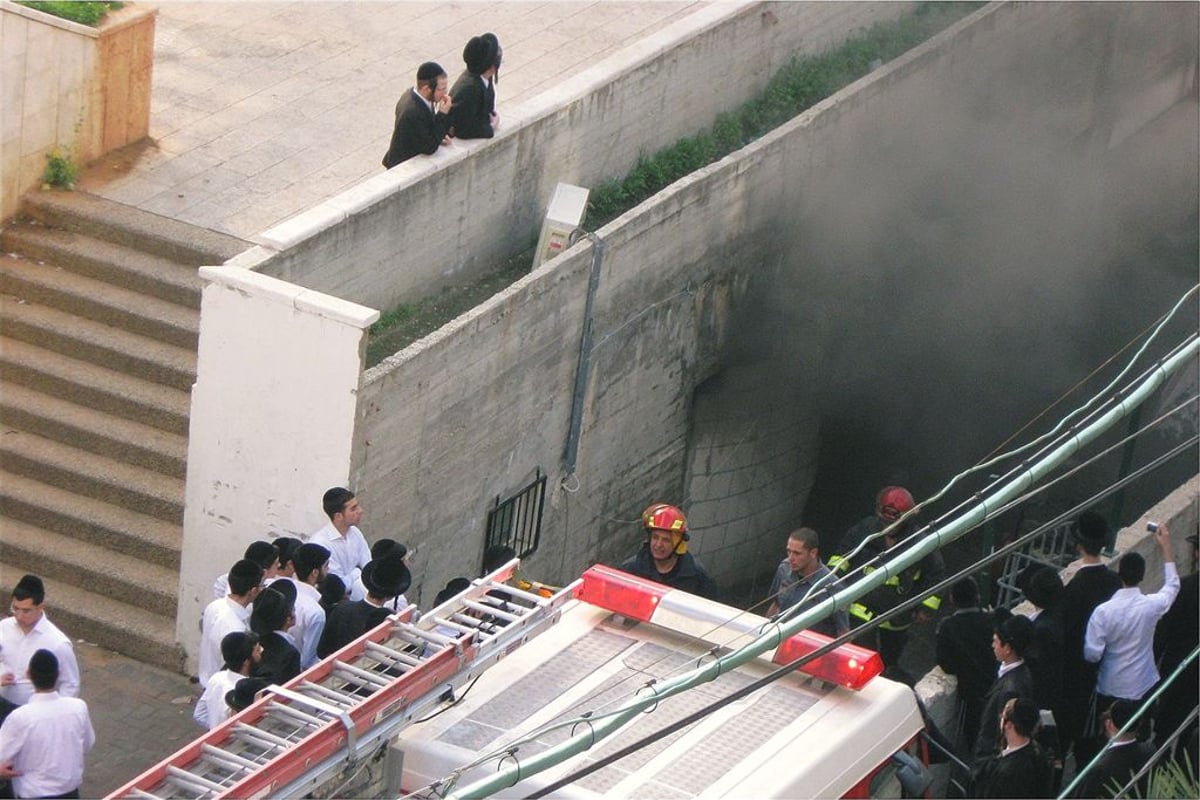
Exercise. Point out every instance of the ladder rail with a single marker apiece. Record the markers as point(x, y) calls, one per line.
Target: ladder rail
point(373, 676)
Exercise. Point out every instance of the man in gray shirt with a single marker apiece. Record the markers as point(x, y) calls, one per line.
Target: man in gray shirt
point(798, 573)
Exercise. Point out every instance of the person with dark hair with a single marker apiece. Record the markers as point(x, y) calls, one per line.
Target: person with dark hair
point(891, 504)
point(797, 574)
point(422, 117)
point(263, 553)
point(44, 742)
point(1123, 756)
point(1013, 679)
point(241, 652)
point(385, 577)
point(272, 616)
point(1020, 769)
point(24, 633)
point(227, 615)
point(333, 591)
point(1120, 634)
point(348, 550)
point(312, 565)
point(474, 113)
point(1044, 590)
point(964, 650)
point(287, 548)
point(1092, 584)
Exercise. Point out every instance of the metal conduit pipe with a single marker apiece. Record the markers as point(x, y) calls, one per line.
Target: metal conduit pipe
point(607, 724)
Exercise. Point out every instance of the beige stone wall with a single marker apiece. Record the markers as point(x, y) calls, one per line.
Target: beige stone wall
point(85, 90)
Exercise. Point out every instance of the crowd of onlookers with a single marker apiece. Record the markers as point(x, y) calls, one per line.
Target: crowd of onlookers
point(1076, 677)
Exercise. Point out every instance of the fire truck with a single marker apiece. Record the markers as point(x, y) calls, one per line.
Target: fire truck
point(499, 673)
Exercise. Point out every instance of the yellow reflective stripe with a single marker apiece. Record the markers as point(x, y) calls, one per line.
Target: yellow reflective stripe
point(838, 564)
point(932, 602)
point(860, 611)
point(892, 581)
point(891, 626)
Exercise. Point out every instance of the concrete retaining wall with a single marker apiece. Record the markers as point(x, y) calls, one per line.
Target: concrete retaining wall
point(432, 222)
point(471, 412)
point(85, 90)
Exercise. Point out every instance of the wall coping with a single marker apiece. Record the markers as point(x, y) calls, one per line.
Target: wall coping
point(289, 294)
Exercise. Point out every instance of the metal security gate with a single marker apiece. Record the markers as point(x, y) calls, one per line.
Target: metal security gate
point(517, 521)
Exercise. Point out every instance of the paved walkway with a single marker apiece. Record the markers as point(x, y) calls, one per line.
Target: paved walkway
point(261, 110)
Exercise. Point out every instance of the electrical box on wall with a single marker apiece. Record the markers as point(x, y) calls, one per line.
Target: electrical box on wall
point(563, 218)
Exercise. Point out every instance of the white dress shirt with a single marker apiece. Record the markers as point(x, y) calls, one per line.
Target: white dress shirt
point(211, 709)
point(221, 617)
point(310, 622)
point(46, 741)
point(347, 554)
point(1120, 635)
point(16, 647)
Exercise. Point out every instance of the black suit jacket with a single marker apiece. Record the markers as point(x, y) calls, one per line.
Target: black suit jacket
point(1016, 682)
point(346, 622)
point(474, 100)
point(1025, 773)
point(418, 130)
point(1116, 766)
point(280, 660)
point(964, 649)
point(1045, 659)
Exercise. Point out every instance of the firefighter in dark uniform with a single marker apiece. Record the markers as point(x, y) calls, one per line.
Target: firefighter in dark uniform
point(891, 636)
point(664, 556)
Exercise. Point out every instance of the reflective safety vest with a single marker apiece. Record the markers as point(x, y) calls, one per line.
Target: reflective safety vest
point(893, 592)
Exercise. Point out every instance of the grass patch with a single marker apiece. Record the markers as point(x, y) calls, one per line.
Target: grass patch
point(802, 83)
point(404, 324)
point(85, 13)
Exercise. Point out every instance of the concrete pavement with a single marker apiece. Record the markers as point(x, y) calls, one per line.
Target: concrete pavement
point(261, 110)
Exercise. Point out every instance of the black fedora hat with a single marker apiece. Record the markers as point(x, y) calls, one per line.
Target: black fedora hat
point(244, 693)
point(387, 576)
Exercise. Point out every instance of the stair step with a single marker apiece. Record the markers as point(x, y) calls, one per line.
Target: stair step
point(92, 430)
point(107, 261)
point(115, 222)
point(96, 300)
point(87, 519)
point(97, 343)
point(92, 475)
point(94, 617)
point(113, 574)
point(89, 385)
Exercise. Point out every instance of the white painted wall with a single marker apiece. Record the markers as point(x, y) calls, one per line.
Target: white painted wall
point(272, 421)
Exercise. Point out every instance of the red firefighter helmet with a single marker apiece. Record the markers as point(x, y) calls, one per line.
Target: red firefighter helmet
point(893, 502)
point(664, 517)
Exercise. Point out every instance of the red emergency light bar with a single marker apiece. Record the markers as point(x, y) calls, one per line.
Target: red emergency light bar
point(637, 598)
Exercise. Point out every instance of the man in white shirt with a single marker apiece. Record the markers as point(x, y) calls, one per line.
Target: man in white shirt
point(1120, 633)
point(312, 564)
point(43, 743)
point(262, 553)
point(225, 616)
point(241, 652)
point(24, 633)
point(348, 550)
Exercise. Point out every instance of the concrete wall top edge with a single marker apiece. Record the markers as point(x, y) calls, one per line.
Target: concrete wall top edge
point(9, 7)
point(250, 282)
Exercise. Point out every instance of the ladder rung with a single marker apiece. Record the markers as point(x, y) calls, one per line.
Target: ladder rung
point(186, 778)
point(263, 737)
point(342, 698)
point(537, 600)
point(375, 678)
point(311, 720)
point(141, 795)
point(395, 655)
point(232, 759)
point(433, 637)
point(451, 623)
point(493, 611)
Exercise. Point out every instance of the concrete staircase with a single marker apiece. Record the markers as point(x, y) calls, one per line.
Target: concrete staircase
point(99, 315)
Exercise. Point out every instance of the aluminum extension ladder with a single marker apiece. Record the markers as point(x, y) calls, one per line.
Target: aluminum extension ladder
point(297, 736)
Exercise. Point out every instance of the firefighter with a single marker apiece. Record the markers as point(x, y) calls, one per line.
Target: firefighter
point(891, 504)
point(664, 556)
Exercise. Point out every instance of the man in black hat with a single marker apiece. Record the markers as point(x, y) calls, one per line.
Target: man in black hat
point(242, 653)
point(384, 578)
point(422, 117)
point(1092, 584)
point(474, 114)
point(27, 631)
point(271, 618)
point(312, 565)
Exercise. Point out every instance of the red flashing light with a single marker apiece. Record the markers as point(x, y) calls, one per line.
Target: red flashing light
point(620, 592)
point(849, 665)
